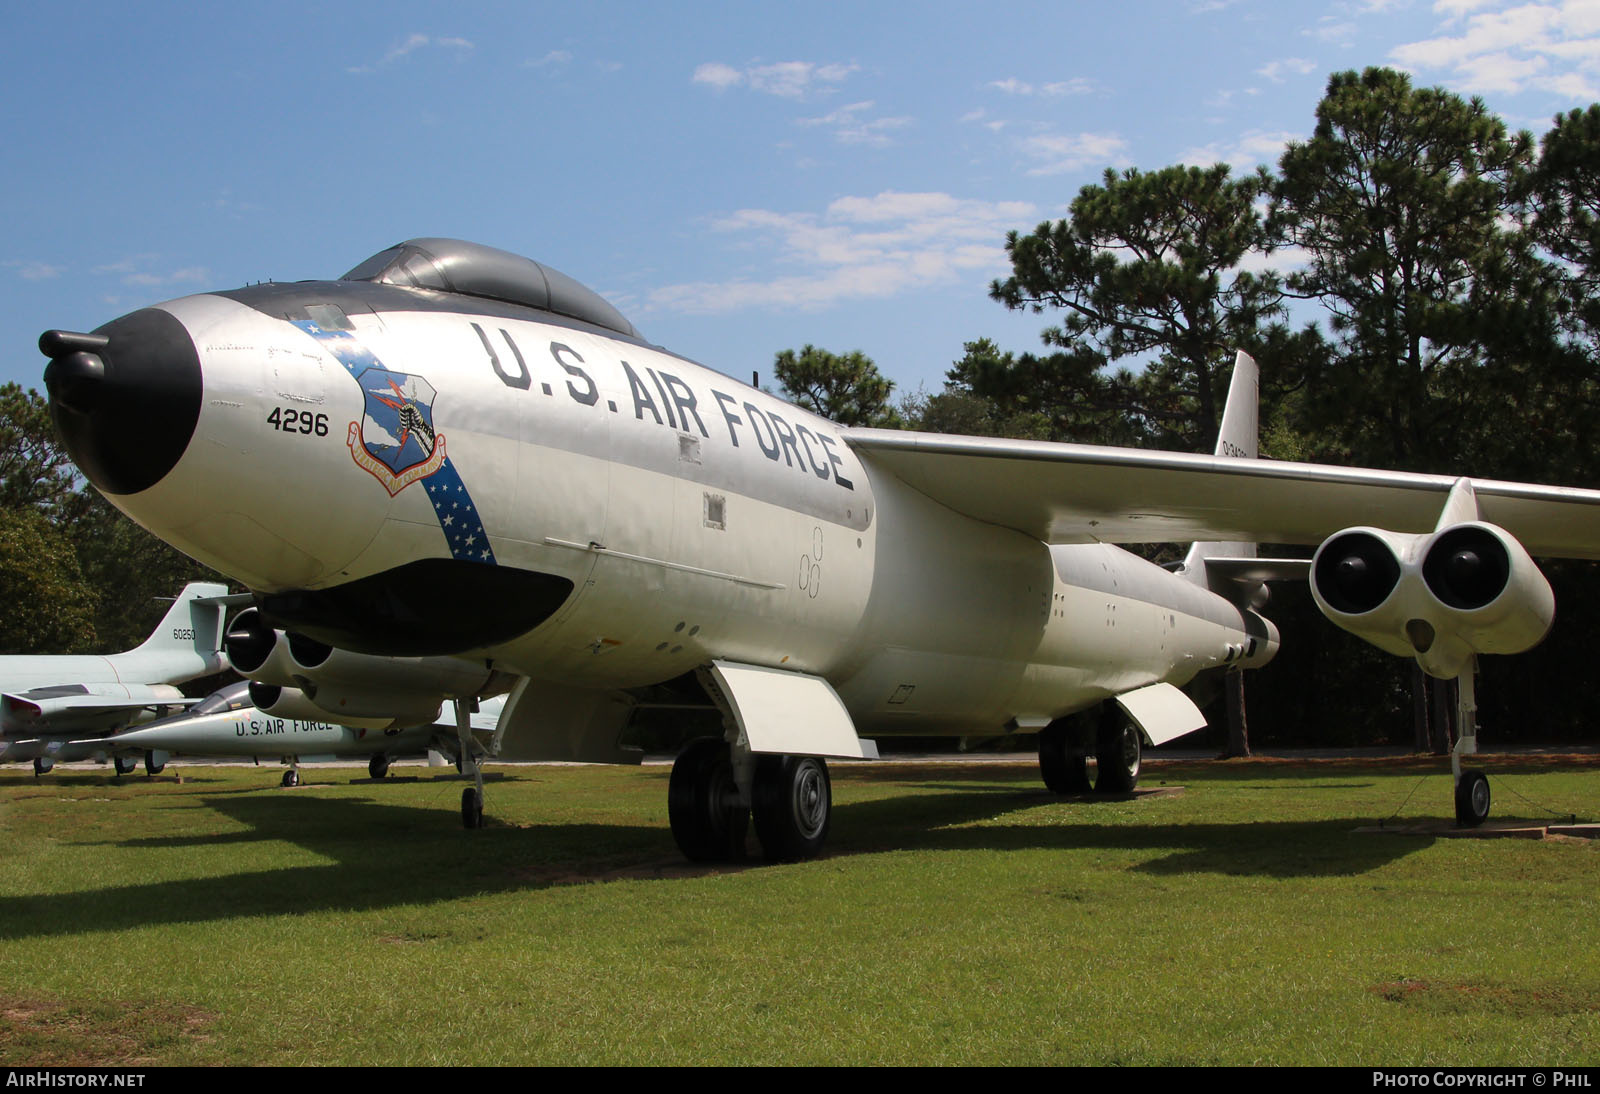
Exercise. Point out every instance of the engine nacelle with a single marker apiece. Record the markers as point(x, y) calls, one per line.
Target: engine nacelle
point(282, 702)
point(317, 682)
point(1467, 588)
point(325, 668)
point(257, 651)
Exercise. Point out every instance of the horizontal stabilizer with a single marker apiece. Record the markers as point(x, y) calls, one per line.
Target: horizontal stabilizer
point(789, 713)
point(1162, 711)
point(1256, 570)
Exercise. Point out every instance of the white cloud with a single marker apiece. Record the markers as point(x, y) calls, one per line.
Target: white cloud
point(413, 42)
point(187, 275)
point(859, 247)
point(1061, 153)
point(851, 125)
point(719, 76)
point(1078, 85)
point(1332, 30)
point(785, 79)
point(137, 270)
point(1496, 48)
point(1277, 70)
point(34, 271)
point(1246, 152)
point(553, 59)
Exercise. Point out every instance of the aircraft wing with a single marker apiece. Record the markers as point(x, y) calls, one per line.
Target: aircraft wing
point(1070, 493)
point(62, 713)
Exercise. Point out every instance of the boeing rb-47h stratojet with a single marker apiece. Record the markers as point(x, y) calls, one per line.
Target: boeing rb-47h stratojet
point(53, 704)
point(466, 460)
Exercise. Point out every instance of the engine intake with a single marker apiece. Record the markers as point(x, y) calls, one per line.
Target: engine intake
point(1467, 588)
point(1356, 571)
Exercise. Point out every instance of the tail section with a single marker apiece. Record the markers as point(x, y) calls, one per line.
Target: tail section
point(1237, 438)
point(189, 636)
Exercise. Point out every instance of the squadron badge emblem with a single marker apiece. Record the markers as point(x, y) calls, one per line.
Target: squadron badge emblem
point(395, 440)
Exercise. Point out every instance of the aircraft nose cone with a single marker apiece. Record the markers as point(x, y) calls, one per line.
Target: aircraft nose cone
point(124, 399)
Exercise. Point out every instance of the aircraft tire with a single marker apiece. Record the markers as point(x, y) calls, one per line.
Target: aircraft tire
point(41, 765)
point(792, 802)
point(150, 765)
point(1064, 768)
point(1472, 799)
point(1118, 755)
point(471, 808)
point(123, 765)
point(708, 823)
point(378, 766)
point(291, 777)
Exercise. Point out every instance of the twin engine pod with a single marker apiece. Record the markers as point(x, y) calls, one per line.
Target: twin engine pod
point(1464, 589)
point(293, 676)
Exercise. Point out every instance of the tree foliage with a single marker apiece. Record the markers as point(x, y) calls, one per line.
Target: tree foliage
point(845, 388)
point(1407, 204)
point(1146, 270)
point(77, 575)
point(49, 606)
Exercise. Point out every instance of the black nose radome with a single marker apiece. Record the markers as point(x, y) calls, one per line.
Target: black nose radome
point(124, 399)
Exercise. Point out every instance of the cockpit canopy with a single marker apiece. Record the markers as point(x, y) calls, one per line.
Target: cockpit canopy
point(456, 266)
point(233, 697)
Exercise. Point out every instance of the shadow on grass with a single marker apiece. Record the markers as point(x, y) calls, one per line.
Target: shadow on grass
point(377, 855)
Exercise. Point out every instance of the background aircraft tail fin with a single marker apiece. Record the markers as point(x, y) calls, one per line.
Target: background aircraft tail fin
point(192, 625)
point(1237, 437)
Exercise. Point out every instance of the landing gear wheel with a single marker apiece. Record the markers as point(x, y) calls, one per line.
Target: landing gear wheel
point(471, 808)
point(41, 765)
point(1118, 755)
point(1062, 764)
point(1472, 799)
point(703, 807)
point(378, 766)
point(792, 801)
point(123, 765)
point(151, 767)
point(291, 777)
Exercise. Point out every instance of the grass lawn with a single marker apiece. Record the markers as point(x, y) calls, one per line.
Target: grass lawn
point(960, 915)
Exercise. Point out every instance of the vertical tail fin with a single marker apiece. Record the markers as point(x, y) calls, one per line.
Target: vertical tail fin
point(1237, 437)
point(192, 625)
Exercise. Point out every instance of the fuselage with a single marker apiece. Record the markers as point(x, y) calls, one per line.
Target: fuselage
point(396, 470)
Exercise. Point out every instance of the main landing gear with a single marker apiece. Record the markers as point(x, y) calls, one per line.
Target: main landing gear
point(716, 790)
point(472, 796)
point(1118, 752)
point(124, 765)
point(378, 766)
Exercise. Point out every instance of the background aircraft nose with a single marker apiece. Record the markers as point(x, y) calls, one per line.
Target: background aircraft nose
point(124, 399)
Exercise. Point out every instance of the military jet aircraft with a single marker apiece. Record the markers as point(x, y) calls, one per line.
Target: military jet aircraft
point(463, 458)
point(230, 722)
point(51, 704)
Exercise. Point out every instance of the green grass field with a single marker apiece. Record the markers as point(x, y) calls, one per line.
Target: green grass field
point(961, 915)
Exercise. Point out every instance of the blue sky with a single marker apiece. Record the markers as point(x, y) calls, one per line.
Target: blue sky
point(738, 178)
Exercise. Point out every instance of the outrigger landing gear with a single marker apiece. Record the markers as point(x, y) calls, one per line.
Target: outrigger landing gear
point(1472, 786)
